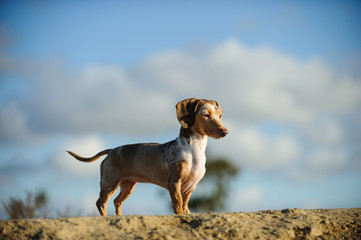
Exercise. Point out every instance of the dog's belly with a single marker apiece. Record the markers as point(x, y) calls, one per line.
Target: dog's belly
point(142, 177)
point(136, 179)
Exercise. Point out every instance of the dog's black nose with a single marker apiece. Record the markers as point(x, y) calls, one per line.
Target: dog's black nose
point(224, 132)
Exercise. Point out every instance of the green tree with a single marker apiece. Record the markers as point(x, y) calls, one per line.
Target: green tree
point(34, 206)
point(219, 173)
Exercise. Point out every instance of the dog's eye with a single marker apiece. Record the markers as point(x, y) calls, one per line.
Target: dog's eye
point(220, 116)
point(207, 116)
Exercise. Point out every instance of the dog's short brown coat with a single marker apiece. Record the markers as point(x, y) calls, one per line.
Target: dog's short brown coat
point(177, 165)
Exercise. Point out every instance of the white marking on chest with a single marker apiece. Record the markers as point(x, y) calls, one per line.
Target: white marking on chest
point(192, 151)
point(198, 153)
point(196, 162)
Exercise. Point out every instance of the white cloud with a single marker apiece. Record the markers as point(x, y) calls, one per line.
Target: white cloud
point(327, 131)
point(320, 162)
point(253, 86)
point(328, 159)
point(99, 98)
point(85, 146)
point(13, 124)
point(250, 147)
point(252, 83)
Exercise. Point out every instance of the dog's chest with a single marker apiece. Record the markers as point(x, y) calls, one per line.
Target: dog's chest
point(196, 161)
point(197, 172)
point(192, 151)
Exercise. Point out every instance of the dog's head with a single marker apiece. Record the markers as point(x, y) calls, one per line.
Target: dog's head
point(203, 116)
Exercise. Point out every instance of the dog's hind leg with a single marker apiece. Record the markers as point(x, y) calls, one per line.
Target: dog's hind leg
point(104, 195)
point(108, 186)
point(126, 188)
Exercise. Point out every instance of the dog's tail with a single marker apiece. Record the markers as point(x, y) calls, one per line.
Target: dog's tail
point(91, 159)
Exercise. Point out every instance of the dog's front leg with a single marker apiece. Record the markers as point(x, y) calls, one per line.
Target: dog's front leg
point(176, 196)
point(186, 197)
point(177, 172)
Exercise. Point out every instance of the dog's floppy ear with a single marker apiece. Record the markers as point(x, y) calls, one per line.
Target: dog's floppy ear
point(186, 111)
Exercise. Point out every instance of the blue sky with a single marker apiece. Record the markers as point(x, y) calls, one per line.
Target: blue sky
point(88, 75)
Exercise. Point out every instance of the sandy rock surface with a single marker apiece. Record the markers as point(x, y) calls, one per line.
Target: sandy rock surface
point(284, 224)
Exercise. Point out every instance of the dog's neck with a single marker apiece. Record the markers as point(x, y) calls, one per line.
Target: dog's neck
point(196, 141)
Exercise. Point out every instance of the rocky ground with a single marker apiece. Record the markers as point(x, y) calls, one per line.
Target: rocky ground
point(270, 224)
